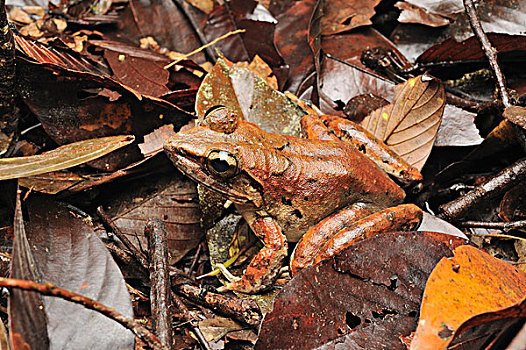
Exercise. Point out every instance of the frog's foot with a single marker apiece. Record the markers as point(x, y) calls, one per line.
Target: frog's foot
point(228, 275)
point(265, 267)
point(348, 227)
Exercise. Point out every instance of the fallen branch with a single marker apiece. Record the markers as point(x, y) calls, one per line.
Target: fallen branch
point(159, 280)
point(52, 290)
point(492, 187)
point(505, 226)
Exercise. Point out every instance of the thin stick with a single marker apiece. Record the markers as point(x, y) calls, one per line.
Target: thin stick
point(505, 226)
point(106, 220)
point(237, 31)
point(185, 8)
point(489, 50)
point(159, 280)
point(52, 290)
point(493, 186)
point(189, 318)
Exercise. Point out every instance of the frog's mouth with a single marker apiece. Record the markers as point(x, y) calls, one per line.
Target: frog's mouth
point(193, 168)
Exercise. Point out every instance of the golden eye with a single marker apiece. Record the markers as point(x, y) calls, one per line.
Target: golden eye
point(222, 164)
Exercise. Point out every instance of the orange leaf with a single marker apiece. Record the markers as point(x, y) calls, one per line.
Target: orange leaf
point(469, 284)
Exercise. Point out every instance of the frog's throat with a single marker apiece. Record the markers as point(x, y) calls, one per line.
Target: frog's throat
point(193, 169)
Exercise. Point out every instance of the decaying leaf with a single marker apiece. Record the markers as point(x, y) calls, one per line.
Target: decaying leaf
point(342, 15)
point(469, 284)
point(364, 298)
point(410, 123)
point(61, 158)
point(172, 199)
point(250, 97)
point(63, 249)
point(516, 115)
point(27, 319)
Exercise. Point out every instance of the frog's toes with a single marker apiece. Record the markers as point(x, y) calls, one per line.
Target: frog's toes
point(229, 276)
point(284, 272)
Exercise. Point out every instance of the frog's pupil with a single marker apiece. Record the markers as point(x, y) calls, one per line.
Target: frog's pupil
point(220, 165)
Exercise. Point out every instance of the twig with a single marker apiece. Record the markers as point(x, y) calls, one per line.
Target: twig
point(491, 54)
point(159, 280)
point(237, 31)
point(106, 220)
point(8, 110)
point(189, 319)
point(495, 185)
point(52, 290)
point(505, 226)
point(489, 50)
point(184, 6)
point(244, 310)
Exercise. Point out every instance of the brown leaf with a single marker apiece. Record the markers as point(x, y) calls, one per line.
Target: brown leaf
point(61, 158)
point(145, 76)
point(414, 14)
point(172, 199)
point(27, 319)
point(470, 49)
point(68, 253)
point(364, 298)
point(342, 15)
point(291, 38)
point(410, 123)
point(250, 97)
point(472, 284)
point(516, 115)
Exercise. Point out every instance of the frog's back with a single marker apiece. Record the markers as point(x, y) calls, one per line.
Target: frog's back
point(306, 180)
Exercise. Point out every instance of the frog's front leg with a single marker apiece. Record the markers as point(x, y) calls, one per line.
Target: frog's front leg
point(349, 227)
point(265, 266)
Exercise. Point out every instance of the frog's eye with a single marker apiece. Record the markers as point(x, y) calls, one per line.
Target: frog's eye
point(222, 164)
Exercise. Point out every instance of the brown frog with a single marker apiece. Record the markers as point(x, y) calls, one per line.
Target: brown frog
point(323, 193)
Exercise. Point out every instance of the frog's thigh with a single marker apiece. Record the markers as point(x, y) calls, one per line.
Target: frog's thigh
point(405, 217)
point(265, 266)
point(316, 237)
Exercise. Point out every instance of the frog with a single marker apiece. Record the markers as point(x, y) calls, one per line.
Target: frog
point(320, 192)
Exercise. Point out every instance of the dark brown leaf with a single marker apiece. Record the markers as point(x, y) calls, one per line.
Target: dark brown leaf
point(342, 15)
point(163, 20)
point(172, 199)
point(145, 76)
point(365, 298)
point(27, 318)
point(291, 38)
point(470, 49)
point(74, 106)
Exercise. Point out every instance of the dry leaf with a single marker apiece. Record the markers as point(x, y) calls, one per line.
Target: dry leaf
point(63, 157)
point(410, 123)
point(469, 284)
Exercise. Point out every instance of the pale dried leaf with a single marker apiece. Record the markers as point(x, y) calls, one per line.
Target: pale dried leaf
point(62, 157)
point(410, 123)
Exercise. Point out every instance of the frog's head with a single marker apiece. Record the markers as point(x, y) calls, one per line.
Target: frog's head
point(213, 155)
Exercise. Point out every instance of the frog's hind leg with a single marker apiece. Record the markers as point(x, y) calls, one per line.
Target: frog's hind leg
point(316, 237)
point(320, 244)
point(265, 267)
